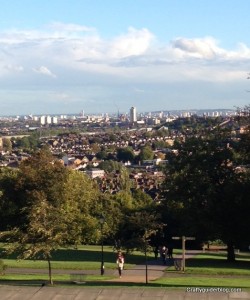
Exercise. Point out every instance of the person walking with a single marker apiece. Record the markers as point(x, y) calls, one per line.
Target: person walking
point(120, 263)
point(163, 254)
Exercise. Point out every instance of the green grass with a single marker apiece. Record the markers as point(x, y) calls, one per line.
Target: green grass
point(83, 258)
point(204, 270)
point(44, 277)
point(198, 281)
point(216, 264)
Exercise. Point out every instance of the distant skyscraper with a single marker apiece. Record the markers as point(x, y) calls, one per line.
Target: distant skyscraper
point(42, 120)
point(133, 117)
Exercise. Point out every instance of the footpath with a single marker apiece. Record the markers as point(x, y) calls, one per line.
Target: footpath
point(137, 275)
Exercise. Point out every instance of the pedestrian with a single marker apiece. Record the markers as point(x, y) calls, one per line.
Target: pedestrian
point(156, 251)
point(120, 263)
point(163, 254)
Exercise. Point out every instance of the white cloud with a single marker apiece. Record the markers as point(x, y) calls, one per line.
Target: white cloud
point(135, 42)
point(79, 57)
point(201, 48)
point(44, 71)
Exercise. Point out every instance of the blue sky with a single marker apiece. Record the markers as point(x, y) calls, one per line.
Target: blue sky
point(63, 56)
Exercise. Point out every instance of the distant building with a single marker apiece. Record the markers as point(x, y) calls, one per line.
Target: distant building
point(54, 120)
point(133, 116)
point(42, 120)
point(93, 173)
point(48, 120)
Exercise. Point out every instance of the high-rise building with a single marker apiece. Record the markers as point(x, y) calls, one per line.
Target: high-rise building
point(42, 120)
point(48, 120)
point(133, 117)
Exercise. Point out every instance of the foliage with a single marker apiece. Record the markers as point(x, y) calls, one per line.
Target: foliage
point(56, 208)
point(146, 153)
point(125, 154)
point(7, 145)
point(8, 206)
point(110, 166)
point(27, 142)
point(203, 191)
point(3, 267)
point(137, 229)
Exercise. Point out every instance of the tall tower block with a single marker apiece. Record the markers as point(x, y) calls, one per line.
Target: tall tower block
point(133, 117)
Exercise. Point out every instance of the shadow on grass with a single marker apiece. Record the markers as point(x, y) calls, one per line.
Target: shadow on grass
point(71, 255)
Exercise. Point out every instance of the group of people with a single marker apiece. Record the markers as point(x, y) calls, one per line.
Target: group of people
point(165, 252)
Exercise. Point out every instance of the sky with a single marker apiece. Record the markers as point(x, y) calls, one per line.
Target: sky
point(104, 56)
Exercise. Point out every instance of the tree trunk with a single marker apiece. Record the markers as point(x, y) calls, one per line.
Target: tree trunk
point(50, 273)
point(230, 252)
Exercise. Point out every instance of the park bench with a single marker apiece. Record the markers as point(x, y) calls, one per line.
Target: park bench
point(78, 278)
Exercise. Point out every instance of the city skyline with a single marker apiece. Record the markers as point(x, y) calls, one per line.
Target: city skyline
point(106, 56)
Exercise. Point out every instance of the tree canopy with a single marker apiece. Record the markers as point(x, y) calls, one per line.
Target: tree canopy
point(53, 207)
point(205, 192)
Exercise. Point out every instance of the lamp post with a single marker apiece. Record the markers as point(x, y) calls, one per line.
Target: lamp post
point(102, 220)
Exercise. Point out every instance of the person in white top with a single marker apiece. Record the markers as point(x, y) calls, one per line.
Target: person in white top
point(120, 263)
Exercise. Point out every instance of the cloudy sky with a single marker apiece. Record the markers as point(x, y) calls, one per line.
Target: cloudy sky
point(64, 56)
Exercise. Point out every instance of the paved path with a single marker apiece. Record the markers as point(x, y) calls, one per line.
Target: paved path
point(96, 293)
point(155, 270)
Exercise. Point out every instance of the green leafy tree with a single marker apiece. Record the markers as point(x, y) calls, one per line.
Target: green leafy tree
point(102, 155)
point(125, 154)
point(110, 166)
point(7, 144)
point(200, 190)
point(9, 208)
point(146, 153)
point(56, 207)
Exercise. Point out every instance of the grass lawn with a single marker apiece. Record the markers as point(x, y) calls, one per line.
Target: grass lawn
point(210, 270)
point(83, 258)
point(44, 277)
point(203, 270)
point(216, 264)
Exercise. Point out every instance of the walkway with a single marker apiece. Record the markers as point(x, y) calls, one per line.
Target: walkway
point(155, 270)
point(135, 275)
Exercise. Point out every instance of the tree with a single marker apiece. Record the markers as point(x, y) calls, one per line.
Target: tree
point(204, 191)
point(138, 229)
point(8, 207)
point(146, 153)
point(7, 145)
point(56, 208)
point(102, 155)
point(110, 166)
point(125, 154)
